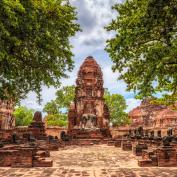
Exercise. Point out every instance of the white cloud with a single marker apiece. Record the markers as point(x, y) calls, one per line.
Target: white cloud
point(132, 103)
point(110, 78)
point(29, 103)
point(93, 16)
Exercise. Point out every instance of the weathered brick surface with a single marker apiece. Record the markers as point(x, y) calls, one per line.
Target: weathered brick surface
point(145, 163)
point(37, 127)
point(138, 148)
point(97, 161)
point(7, 120)
point(154, 117)
point(89, 110)
point(24, 156)
point(111, 143)
point(126, 145)
point(118, 143)
point(163, 156)
point(16, 158)
point(166, 157)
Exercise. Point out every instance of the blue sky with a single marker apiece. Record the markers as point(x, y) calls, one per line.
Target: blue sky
point(93, 15)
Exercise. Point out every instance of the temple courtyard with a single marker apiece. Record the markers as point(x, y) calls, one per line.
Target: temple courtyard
point(94, 161)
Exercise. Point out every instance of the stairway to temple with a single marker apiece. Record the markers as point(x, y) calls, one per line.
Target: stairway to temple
point(88, 137)
point(87, 134)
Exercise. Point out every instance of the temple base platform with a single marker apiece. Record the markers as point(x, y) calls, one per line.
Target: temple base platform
point(88, 136)
point(98, 133)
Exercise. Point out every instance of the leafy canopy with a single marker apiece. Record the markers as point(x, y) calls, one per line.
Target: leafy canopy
point(64, 96)
point(117, 105)
point(144, 49)
point(51, 108)
point(57, 120)
point(34, 44)
point(57, 109)
point(23, 116)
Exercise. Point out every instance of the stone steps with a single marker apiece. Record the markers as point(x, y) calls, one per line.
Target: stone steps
point(42, 162)
point(88, 142)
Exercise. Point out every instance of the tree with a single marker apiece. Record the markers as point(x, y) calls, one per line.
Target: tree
point(51, 108)
point(144, 49)
point(23, 116)
point(117, 105)
point(57, 109)
point(57, 120)
point(34, 44)
point(166, 100)
point(65, 96)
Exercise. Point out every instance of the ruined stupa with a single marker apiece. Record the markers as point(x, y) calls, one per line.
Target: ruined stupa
point(88, 111)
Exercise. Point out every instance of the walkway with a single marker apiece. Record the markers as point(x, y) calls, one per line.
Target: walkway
point(93, 161)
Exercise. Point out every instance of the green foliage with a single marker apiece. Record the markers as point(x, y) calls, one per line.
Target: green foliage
point(23, 116)
point(34, 44)
point(57, 120)
point(65, 96)
point(166, 100)
point(51, 108)
point(144, 49)
point(117, 105)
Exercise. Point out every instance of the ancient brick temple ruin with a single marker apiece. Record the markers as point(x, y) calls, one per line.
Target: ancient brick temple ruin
point(28, 146)
point(153, 117)
point(153, 134)
point(7, 120)
point(37, 127)
point(89, 115)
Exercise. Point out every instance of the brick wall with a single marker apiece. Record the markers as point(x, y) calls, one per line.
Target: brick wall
point(7, 121)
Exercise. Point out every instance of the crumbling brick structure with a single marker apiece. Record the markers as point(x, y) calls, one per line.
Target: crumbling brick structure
point(7, 120)
point(37, 127)
point(153, 117)
point(89, 110)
